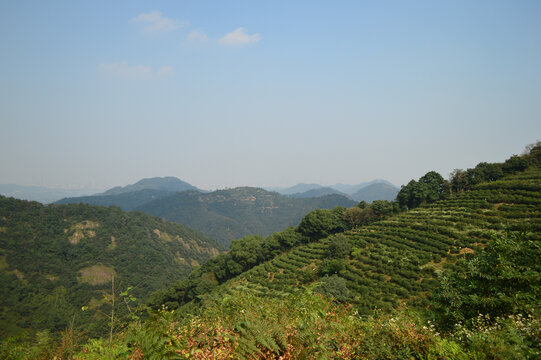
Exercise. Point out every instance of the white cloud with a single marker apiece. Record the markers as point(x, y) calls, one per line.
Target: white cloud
point(155, 22)
point(239, 37)
point(197, 36)
point(138, 72)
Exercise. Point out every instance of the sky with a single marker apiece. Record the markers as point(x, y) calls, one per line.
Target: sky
point(96, 94)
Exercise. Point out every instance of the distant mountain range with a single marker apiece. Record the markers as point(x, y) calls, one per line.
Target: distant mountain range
point(41, 194)
point(322, 191)
point(126, 201)
point(295, 189)
point(162, 186)
point(376, 191)
point(368, 191)
point(223, 215)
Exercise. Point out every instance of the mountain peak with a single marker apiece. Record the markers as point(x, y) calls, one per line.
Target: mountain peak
point(168, 183)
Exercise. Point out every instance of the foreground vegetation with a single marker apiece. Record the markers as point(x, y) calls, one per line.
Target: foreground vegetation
point(309, 325)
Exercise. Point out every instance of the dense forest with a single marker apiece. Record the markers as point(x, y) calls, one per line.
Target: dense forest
point(56, 259)
point(448, 270)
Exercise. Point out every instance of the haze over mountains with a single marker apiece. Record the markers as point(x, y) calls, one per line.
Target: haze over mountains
point(374, 190)
point(367, 191)
point(228, 214)
point(42, 194)
point(223, 215)
point(164, 184)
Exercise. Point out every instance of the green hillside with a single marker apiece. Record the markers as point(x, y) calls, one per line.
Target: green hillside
point(375, 257)
point(394, 259)
point(229, 214)
point(56, 259)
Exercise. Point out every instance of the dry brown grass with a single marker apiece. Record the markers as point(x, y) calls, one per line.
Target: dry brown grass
point(96, 274)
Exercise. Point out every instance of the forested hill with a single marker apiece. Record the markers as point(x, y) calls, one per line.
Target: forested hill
point(229, 214)
point(56, 259)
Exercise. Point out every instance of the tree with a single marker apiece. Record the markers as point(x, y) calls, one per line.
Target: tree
point(339, 247)
point(532, 153)
point(362, 204)
point(331, 266)
point(383, 208)
point(430, 187)
point(505, 278)
point(334, 287)
point(514, 164)
point(318, 224)
point(435, 186)
point(458, 180)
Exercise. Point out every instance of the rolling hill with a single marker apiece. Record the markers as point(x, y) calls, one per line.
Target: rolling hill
point(368, 191)
point(56, 259)
point(225, 215)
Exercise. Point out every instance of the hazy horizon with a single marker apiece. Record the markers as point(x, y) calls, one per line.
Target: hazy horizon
point(269, 187)
point(99, 94)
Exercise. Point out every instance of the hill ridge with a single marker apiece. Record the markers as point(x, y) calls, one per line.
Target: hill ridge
point(72, 251)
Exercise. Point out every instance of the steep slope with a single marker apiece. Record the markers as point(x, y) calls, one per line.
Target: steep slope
point(378, 191)
point(229, 214)
point(394, 259)
point(56, 259)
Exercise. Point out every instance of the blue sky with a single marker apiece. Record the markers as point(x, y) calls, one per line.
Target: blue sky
point(261, 93)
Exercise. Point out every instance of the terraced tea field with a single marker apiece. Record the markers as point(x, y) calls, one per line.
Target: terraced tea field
point(396, 259)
